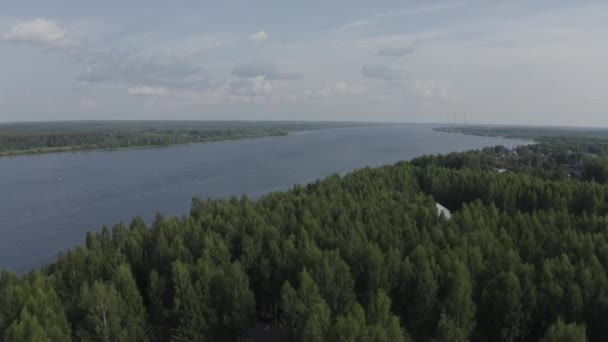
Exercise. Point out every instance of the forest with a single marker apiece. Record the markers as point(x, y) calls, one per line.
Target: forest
point(359, 257)
point(46, 137)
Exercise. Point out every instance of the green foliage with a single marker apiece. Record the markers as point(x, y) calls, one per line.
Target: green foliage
point(307, 316)
point(31, 310)
point(457, 318)
point(45, 137)
point(382, 325)
point(27, 329)
point(565, 332)
point(501, 307)
point(110, 314)
point(448, 330)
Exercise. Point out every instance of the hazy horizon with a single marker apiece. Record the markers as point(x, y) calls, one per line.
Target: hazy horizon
point(515, 63)
point(445, 123)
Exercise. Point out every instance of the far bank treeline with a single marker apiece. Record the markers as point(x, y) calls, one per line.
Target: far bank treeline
point(362, 257)
point(45, 137)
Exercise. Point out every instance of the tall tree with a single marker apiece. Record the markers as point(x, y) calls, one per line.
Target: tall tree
point(565, 332)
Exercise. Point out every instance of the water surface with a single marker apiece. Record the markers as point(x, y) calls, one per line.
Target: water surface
point(48, 202)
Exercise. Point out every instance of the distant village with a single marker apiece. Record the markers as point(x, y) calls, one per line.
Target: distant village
point(508, 158)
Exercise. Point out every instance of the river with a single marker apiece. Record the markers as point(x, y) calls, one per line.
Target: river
point(49, 202)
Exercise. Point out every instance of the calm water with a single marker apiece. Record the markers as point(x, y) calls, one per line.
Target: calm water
point(49, 202)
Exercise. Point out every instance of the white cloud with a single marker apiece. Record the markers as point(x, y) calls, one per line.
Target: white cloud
point(134, 68)
point(37, 31)
point(196, 45)
point(432, 90)
point(148, 91)
point(496, 60)
point(88, 104)
point(395, 51)
point(250, 86)
point(381, 72)
point(268, 70)
point(209, 96)
point(331, 89)
point(358, 24)
point(126, 61)
point(259, 37)
point(235, 90)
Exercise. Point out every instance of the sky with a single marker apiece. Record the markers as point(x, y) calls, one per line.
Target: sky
point(499, 62)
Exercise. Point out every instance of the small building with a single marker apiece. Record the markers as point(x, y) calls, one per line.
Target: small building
point(441, 210)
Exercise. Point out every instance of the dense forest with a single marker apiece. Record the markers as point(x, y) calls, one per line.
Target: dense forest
point(360, 257)
point(44, 137)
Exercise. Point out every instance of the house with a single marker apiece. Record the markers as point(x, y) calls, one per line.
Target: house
point(441, 210)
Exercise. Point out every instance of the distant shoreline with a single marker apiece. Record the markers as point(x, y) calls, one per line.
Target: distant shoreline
point(23, 139)
point(482, 132)
point(74, 149)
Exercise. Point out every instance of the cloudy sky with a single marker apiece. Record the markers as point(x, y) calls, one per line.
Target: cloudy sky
point(517, 62)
